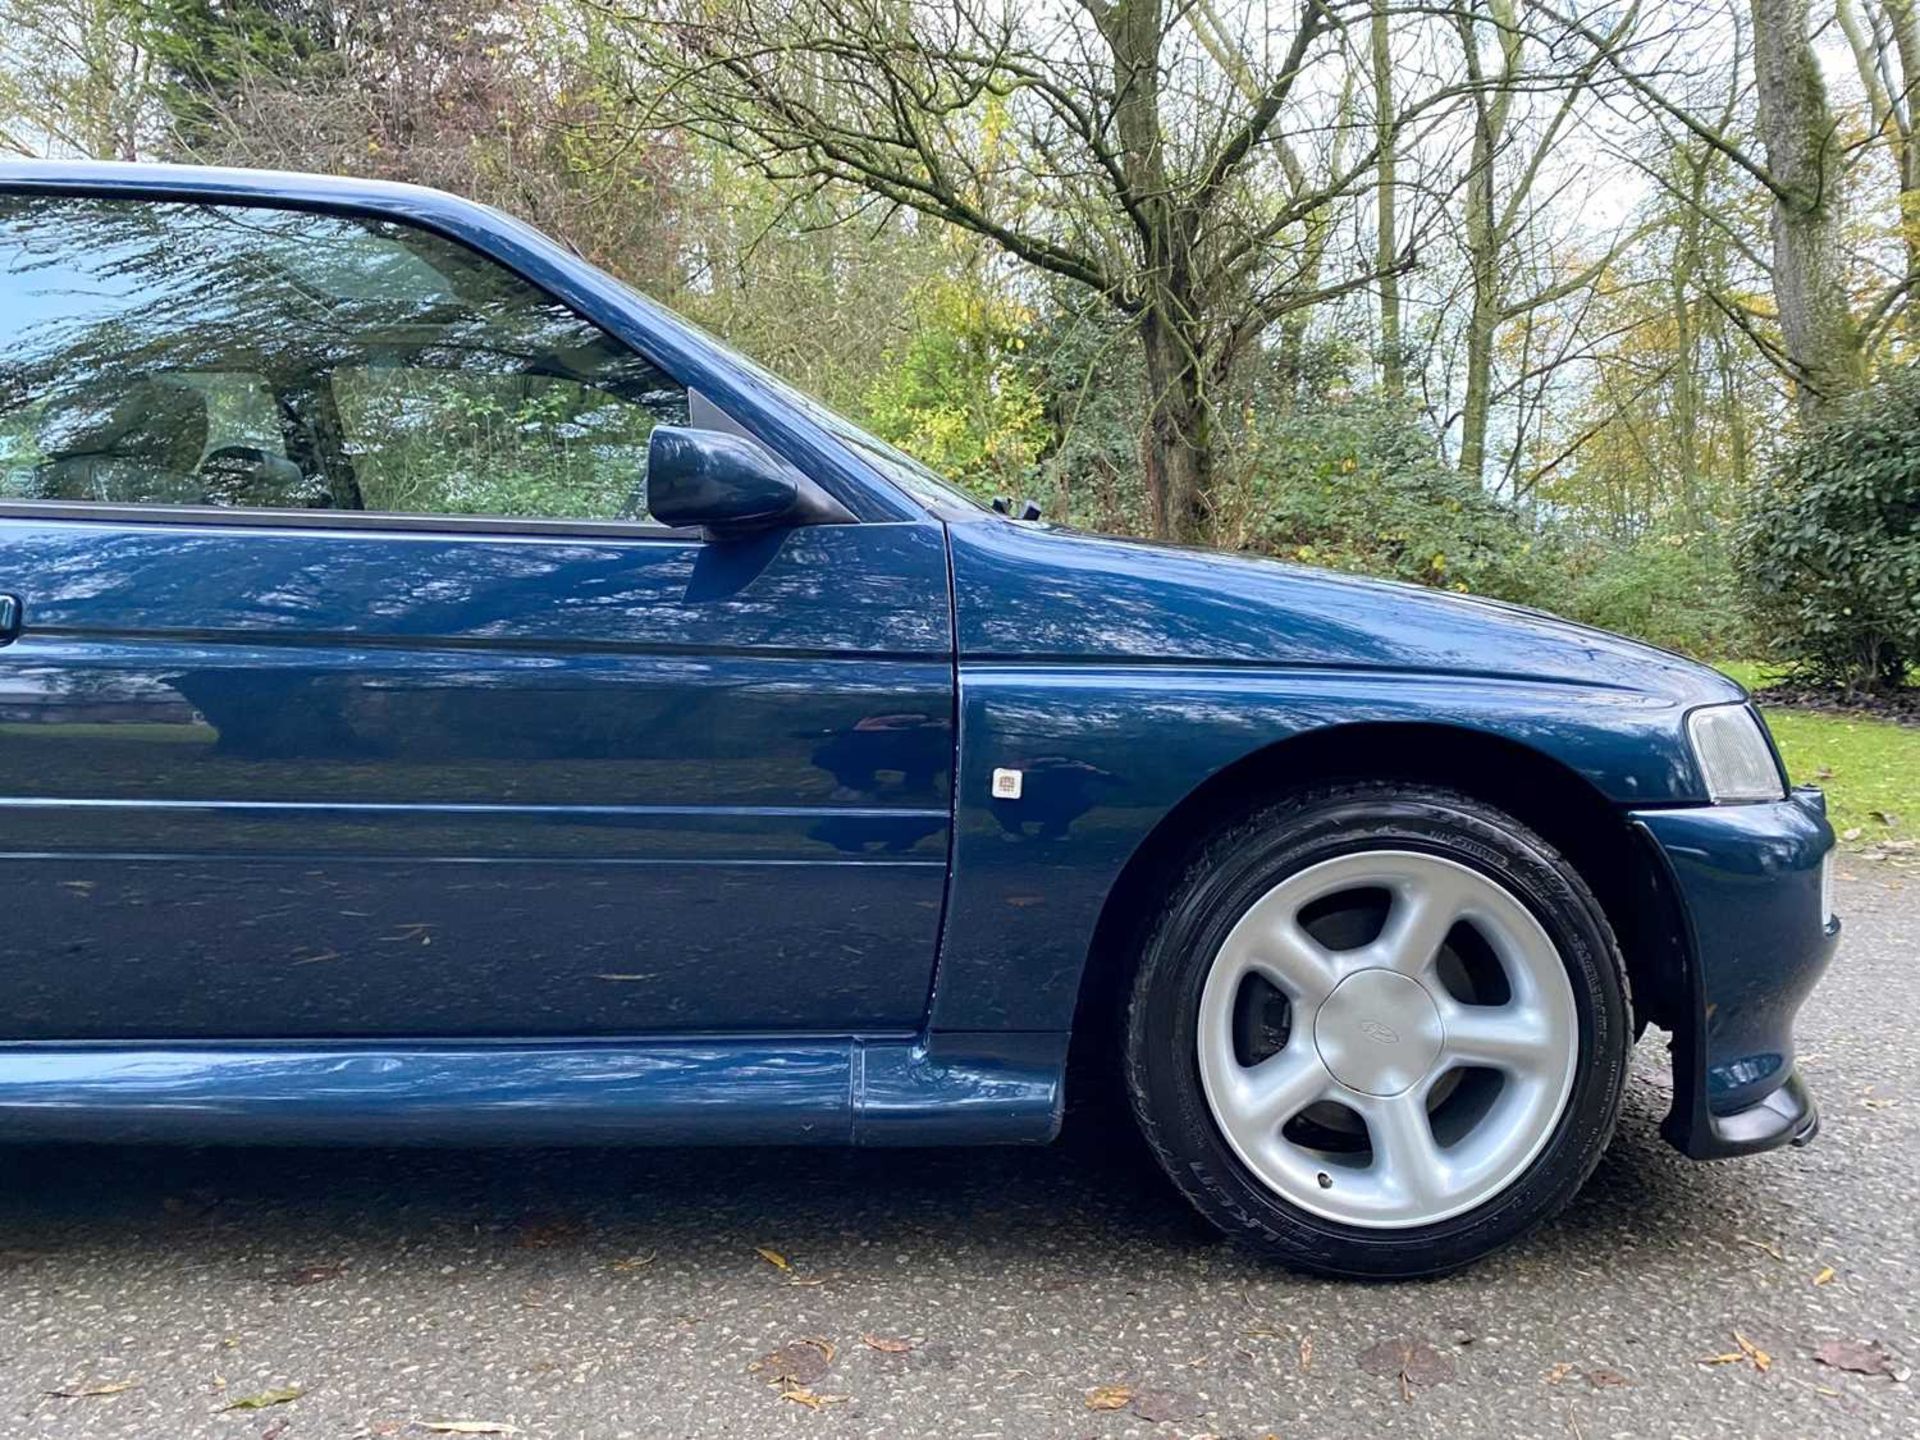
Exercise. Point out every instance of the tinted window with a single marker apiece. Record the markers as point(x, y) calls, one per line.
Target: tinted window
point(184, 354)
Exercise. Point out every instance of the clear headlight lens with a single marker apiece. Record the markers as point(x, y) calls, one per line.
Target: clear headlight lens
point(1734, 755)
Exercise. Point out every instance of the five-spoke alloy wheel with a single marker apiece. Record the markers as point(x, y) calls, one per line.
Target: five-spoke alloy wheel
point(1379, 1030)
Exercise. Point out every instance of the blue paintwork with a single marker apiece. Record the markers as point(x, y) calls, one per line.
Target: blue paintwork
point(1121, 676)
point(716, 1091)
point(1033, 593)
point(258, 724)
point(1748, 878)
point(366, 830)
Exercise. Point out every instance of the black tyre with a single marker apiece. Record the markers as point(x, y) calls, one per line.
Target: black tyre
point(1378, 1030)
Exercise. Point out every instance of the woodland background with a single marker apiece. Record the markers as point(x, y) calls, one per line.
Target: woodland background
point(1605, 307)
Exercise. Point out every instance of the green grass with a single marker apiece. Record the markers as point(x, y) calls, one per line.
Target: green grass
point(1750, 673)
point(1869, 768)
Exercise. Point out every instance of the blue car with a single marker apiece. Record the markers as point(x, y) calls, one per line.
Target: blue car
point(444, 697)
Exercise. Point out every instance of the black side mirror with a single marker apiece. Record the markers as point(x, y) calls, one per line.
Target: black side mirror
point(727, 485)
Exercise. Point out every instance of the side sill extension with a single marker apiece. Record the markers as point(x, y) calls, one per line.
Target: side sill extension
point(943, 1089)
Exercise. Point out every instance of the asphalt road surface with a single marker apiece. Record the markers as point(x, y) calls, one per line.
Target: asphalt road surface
point(971, 1293)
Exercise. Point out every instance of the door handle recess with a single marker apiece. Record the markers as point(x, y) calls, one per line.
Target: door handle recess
point(10, 616)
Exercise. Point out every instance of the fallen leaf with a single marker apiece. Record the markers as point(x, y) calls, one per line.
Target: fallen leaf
point(1162, 1405)
point(1825, 1277)
point(1560, 1372)
point(467, 1427)
point(265, 1399)
point(307, 1274)
point(634, 1262)
point(1306, 1353)
point(772, 1257)
point(885, 1345)
point(802, 1395)
point(1762, 1361)
point(1410, 1360)
point(1858, 1357)
point(1852, 832)
point(1603, 1379)
point(90, 1392)
point(1109, 1397)
point(1766, 1247)
point(798, 1362)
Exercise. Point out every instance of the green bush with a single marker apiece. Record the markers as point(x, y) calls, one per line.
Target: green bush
point(1831, 544)
point(955, 396)
point(1676, 591)
point(1355, 485)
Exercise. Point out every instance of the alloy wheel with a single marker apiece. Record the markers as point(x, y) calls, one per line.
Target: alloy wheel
point(1387, 1038)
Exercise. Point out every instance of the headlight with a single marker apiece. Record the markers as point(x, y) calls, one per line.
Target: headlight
point(1733, 754)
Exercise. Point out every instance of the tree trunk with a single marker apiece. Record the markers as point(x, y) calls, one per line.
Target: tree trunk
point(1483, 317)
point(1739, 442)
point(1393, 375)
point(1485, 239)
point(1892, 113)
point(1178, 442)
point(1291, 364)
point(1822, 343)
point(1906, 43)
point(1686, 362)
point(1686, 401)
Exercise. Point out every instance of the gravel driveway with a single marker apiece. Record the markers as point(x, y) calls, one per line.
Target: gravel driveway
point(970, 1293)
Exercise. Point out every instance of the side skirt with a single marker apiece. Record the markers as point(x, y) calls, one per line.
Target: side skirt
point(944, 1089)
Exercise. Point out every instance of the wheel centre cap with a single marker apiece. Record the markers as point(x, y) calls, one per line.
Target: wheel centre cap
point(1378, 1032)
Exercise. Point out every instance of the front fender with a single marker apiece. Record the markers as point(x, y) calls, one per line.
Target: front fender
point(1106, 751)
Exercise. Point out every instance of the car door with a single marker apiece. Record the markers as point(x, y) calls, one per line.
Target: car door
point(347, 690)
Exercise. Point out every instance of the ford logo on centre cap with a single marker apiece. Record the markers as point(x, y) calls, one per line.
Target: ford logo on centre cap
point(1380, 1033)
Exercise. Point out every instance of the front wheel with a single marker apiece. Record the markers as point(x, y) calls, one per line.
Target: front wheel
point(1379, 1030)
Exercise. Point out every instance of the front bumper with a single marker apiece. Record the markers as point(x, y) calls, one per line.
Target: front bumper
point(1746, 880)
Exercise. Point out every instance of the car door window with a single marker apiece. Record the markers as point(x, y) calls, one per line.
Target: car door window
point(466, 442)
point(248, 357)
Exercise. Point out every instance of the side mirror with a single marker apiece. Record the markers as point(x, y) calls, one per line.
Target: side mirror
point(727, 486)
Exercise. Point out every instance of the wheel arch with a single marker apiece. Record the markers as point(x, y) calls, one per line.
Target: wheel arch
point(1537, 789)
